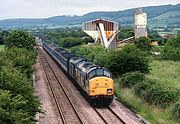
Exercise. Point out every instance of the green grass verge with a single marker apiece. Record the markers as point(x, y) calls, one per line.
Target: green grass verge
point(2, 47)
point(166, 72)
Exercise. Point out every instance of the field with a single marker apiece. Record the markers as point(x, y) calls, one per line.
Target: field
point(166, 72)
point(165, 19)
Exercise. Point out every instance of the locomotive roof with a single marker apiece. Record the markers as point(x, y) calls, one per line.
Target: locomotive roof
point(76, 59)
point(86, 66)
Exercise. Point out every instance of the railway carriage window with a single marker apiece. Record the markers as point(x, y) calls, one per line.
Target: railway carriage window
point(99, 72)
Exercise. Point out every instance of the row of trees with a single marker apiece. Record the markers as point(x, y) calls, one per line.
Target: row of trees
point(18, 103)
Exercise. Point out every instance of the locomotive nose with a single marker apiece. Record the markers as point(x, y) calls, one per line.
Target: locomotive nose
point(102, 86)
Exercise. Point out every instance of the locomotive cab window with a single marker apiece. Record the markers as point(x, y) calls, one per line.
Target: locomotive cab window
point(99, 72)
point(92, 74)
point(106, 73)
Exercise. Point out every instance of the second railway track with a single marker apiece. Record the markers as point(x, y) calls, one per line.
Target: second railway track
point(66, 109)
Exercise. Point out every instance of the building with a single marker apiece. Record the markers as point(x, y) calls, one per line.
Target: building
point(140, 24)
point(103, 31)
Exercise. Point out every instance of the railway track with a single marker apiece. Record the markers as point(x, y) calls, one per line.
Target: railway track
point(108, 116)
point(66, 109)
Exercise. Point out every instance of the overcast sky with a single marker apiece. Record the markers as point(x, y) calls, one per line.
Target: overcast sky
point(48, 8)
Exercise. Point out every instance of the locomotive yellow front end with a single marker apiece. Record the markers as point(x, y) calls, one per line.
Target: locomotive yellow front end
point(101, 87)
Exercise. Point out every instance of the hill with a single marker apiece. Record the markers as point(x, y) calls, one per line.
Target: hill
point(166, 15)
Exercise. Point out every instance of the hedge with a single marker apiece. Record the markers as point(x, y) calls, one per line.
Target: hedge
point(16, 86)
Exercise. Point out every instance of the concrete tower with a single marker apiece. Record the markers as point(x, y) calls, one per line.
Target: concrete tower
point(140, 24)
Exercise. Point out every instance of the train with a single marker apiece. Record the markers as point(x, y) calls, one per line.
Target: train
point(94, 81)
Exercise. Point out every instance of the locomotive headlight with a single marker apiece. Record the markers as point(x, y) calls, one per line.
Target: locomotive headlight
point(97, 84)
point(109, 90)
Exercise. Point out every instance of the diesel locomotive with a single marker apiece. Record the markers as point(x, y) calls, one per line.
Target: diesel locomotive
point(96, 82)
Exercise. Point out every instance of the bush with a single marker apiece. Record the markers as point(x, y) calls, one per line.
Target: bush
point(155, 93)
point(18, 104)
point(176, 110)
point(128, 59)
point(143, 43)
point(95, 54)
point(151, 91)
point(12, 109)
point(17, 83)
point(171, 51)
point(21, 59)
point(130, 79)
point(20, 39)
point(70, 42)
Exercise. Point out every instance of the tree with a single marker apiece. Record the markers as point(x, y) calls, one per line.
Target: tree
point(20, 39)
point(125, 33)
point(128, 59)
point(11, 108)
point(143, 43)
point(70, 42)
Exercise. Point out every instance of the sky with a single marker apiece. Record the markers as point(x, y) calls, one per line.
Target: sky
point(49, 8)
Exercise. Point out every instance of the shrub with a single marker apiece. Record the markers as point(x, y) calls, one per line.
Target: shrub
point(128, 59)
point(21, 59)
point(176, 110)
point(95, 54)
point(143, 43)
point(20, 39)
point(151, 91)
point(171, 51)
point(12, 109)
point(18, 104)
point(16, 82)
point(130, 79)
point(155, 93)
point(70, 42)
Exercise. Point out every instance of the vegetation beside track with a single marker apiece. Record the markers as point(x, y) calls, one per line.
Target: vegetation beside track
point(155, 96)
point(18, 103)
point(158, 96)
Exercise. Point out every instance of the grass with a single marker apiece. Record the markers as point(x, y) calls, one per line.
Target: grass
point(165, 19)
point(153, 114)
point(166, 72)
point(2, 47)
point(168, 15)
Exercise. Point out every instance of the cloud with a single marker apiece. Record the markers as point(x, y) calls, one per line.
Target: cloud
point(47, 8)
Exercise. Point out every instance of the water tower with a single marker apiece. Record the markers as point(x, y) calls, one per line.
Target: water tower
point(103, 31)
point(140, 23)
